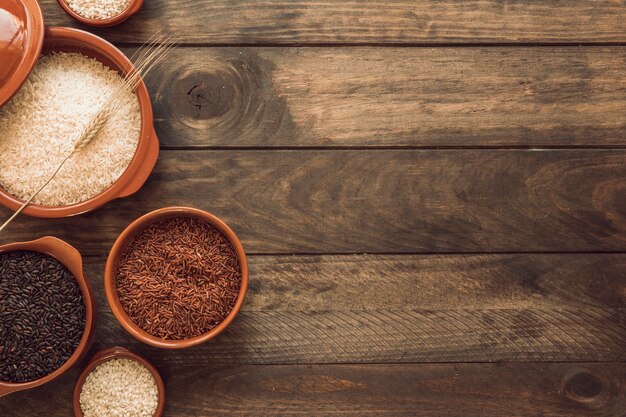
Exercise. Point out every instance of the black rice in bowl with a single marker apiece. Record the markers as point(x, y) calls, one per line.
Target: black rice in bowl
point(42, 315)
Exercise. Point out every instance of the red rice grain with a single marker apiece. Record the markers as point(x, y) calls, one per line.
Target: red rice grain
point(178, 278)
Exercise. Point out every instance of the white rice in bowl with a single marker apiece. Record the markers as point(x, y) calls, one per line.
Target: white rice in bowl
point(98, 9)
point(39, 126)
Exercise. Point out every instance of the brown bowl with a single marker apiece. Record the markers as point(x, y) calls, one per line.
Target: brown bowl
point(21, 38)
point(142, 163)
point(70, 257)
point(136, 227)
point(132, 8)
point(117, 352)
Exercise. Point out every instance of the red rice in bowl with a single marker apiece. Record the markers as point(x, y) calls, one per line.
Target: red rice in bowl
point(178, 278)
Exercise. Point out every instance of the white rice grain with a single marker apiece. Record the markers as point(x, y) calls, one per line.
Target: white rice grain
point(119, 388)
point(98, 9)
point(39, 126)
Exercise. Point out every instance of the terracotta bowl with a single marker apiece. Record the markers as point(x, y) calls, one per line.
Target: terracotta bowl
point(21, 37)
point(142, 163)
point(118, 250)
point(132, 8)
point(70, 257)
point(117, 353)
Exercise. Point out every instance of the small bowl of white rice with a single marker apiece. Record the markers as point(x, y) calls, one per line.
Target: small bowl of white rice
point(73, 78)
point(101, 13)
point(118, 382)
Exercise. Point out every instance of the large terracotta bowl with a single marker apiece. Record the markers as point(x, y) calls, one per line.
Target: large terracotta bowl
point(119, 248)
point(132, 8)
point(117, 353)
point(74, 40)
point(70, 257)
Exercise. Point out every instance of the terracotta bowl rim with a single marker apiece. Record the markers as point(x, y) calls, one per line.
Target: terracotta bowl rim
point(137, 167)
point(74, 264)
point(132, 8)
point(118, 249)
point(117, 352)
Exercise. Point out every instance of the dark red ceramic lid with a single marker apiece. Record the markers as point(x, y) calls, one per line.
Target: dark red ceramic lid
point(21, 37)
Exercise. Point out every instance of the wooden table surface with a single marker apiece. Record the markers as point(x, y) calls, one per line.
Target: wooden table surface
point(432, 195)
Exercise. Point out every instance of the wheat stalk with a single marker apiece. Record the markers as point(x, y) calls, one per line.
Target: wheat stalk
point(152, 53)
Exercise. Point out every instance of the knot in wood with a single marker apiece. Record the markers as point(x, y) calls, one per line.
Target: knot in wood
point(586, 388)
point(203, 95)
point(199, 95)
point(584, 385)
point(222, 97)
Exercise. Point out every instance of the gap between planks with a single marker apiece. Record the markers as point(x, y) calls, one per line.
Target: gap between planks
point(395, 148)
point(403, 254)
point(383, 45)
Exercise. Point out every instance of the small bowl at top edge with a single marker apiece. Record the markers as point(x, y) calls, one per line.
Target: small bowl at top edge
point(71, 258)
point(118, 249)
point(117, 352)
point(132, 8)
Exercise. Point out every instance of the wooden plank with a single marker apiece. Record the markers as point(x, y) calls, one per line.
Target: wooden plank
point(373, 282)
point(386, 309)
point(402, 336)
point(443, 97)
point(370, 21)
point(451, 390)
point(392, 201)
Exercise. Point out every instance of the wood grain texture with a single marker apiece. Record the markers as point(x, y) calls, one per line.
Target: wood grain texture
point(343, 152)
point(372, 282)
point(395, 335)
point(395, 201)
point(443, 97)
point(386, 309)
point(451, 390)
point(370, 21)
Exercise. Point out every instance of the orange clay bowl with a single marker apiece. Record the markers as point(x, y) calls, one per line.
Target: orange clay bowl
point(117, 352)
point(21, 37)
point(136, 227)
point(70, 257)
point(132, 8)
point(59, 39)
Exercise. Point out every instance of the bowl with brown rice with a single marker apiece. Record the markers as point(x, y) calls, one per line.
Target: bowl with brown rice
point(176, 277)
point(75, 75)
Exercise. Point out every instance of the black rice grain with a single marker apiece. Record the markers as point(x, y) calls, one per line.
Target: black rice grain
point(42, 315)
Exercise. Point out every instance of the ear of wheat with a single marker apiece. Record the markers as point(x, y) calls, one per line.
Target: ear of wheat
point(146, 58)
